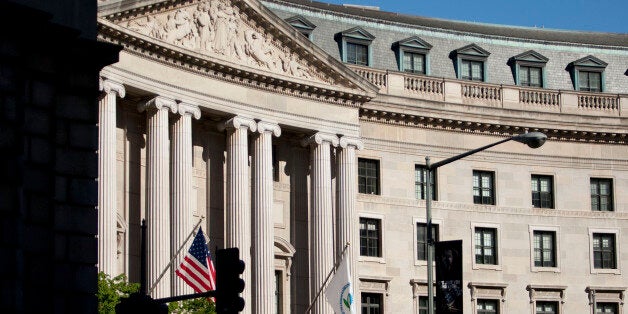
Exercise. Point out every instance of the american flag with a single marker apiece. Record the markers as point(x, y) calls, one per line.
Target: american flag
point(197, 268)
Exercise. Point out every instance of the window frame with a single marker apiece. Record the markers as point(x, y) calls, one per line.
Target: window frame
point(435, 223)
point(490, 291)
point(414, 45)
point(611, 196)
point(606, 295)
point(552, 195)
point(588, 64)
point(419, 186)
point(477, 304)
point(382, 222)
point(617, 236)
point(377, 176)
point(471, 53)
point(497, 247)
point(357, 36)
point(381, 301)
point(547, 293)
point(555, 303)
point(529, 59)
point(556, 251)
point(302, 25)
point(481, 188)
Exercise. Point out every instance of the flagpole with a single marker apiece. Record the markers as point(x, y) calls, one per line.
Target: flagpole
point(328, 276)
point(174, 257)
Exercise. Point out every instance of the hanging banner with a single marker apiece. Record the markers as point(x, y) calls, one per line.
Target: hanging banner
point(448, 285)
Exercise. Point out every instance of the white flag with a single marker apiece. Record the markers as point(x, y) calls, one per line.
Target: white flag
point(339, 292)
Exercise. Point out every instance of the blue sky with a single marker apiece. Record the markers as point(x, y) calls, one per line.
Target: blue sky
point(590, 15)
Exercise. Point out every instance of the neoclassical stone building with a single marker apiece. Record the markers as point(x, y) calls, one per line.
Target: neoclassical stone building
point(289, 128)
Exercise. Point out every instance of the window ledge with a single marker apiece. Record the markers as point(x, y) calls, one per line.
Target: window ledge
point(372, 259)
point(601, 271)
point(497, 267)
point(538, 269)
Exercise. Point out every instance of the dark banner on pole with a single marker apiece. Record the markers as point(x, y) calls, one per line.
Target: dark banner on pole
point(448, 277)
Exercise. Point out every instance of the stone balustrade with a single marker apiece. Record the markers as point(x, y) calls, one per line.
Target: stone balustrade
point(491, 95)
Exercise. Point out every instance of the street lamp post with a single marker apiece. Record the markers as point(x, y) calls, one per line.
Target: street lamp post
point(532, 139)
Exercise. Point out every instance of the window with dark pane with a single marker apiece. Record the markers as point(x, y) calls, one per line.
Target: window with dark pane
point(606, 308)
point(420, 178)
point(542, 191)
point(472, 70)
point(414, 62)
point(546, 307)
point(421, 239)
point(423, 305)
point(370, 237)
point(483, 187)
point(487, 307)
point(590, 81)
point(485, 246)
point(544, 249)
point(604, 256)
point(357, 53)
point(601, 194)
point(368, 176)
point(530, 76)
point(275, 164)
point(372, 303)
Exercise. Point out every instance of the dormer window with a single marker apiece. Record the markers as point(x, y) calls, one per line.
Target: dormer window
point(302, 25)
point(588, 74)
point(413, 55)
point(529, 69)
point(471, 63)
point(356, 46)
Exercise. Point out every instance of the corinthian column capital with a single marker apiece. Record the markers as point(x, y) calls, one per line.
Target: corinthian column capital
point(320, 138)
point(189, 109)
point(238, 122)
point(346, 141)
point(108, 86)
point(263, 127)
point(158, 103)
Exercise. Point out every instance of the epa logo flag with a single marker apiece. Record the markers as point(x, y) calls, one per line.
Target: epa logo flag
point(340, 290)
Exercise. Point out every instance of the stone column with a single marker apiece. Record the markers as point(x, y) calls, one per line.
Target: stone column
point(107, 211)
point(158, 192)
point(321, 207)
point(238, 211)
point(347, 218)
point(181, 186)
point(263, 240)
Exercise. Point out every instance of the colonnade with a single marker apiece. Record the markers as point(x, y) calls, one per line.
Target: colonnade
point(248, 213)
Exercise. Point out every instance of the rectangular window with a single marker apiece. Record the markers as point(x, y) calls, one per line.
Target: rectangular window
point(590, 81)
point(414, 62)
point(421, 239)
point(372, 303)
point(604, 256)
point(357, 54)
point(545, 307)
point(544, 249)
point(368, 176)
point(530, 76)
point(420, 177)
point(606, 308)
point(278, 293)
point(542, 191)
point(483, 187)
point(486, 246)
point(487, 307)
point(370, 237)
point(423, 305)
point(601, 194)
point(472, 70)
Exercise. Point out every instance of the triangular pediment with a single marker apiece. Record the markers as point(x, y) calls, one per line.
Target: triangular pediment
point(531, 56)
point(473, 50)
point(590, 61)
point(300, 22)
point(358, 33)
point(414, 42)
point(240, 38)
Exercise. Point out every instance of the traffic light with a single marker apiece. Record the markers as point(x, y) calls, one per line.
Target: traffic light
point(229, 285)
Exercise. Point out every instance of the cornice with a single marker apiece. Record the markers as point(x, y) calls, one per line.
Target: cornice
point(466, 126)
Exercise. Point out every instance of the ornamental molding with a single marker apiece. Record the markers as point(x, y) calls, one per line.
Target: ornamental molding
point(109, 86)
point(158, 103)
point(190, 109)
point(237, 40)
point(238, 122)
point(320, 138)
point(270, 127)
point(456, 125)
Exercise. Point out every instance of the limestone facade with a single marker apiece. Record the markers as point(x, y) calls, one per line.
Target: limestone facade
point(263, 134)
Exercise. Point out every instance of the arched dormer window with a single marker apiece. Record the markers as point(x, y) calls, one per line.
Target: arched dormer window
point(355, 45)
point(471, 63)
point(588, 74)
point(529, 69)
point(413, 55)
